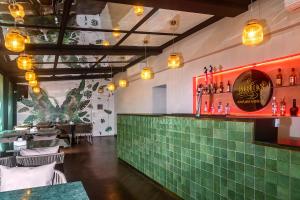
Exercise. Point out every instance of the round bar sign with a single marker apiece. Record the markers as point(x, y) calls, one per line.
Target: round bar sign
point(252, 90)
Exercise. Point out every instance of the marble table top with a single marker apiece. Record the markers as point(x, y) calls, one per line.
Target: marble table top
point(68, 191)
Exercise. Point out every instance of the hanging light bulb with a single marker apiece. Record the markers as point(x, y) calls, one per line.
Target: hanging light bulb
point(17, 11)
point(138, 10)
point(30, 75)
point(14, 40)
point(111, 87)
point(253, 33)
point(174, 61)
point(27, 39)
point(105, 43)
point(116, 33)
point(33, 83)
point(36, 89)
point(147, 73)
point(25, 62)
point(123, 83)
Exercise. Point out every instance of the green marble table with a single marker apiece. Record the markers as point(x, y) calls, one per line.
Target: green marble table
point(68, 191)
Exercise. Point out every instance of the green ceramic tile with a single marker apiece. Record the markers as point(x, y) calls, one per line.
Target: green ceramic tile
point(208, 159)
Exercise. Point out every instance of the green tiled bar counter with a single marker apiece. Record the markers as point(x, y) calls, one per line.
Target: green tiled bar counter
point(208, 158)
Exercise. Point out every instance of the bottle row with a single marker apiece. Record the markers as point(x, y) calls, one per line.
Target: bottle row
point(280, 80)
point(279, 109)
point(221, 110)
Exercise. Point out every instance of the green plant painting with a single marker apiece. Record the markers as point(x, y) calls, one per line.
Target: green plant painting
point(46, 108)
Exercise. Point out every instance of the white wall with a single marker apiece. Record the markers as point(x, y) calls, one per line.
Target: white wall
point(218, 44)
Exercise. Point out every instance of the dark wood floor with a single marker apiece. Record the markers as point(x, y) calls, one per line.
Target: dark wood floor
point(104, 176)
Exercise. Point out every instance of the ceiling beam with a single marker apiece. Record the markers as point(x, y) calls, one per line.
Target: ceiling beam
point(65, 78)
point(63, 24)
point(225, 8)
point(70, 71)
point(41, 49)
point(142, 21)
point(178, 38)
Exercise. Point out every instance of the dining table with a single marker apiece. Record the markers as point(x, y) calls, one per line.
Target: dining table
point(67, 191)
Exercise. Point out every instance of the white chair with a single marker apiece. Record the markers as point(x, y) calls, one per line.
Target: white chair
point(38, 160)
point(8, 161)
point(58, 178)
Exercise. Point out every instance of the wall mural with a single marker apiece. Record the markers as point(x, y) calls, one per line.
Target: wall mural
point(65, 103)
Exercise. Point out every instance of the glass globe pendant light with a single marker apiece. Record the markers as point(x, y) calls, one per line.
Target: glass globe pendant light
point(17, 11)
point(174, 59)
point(253, 31)
point(123, 83)
point(25, 62)
point(105, 43)
point(30, 75)
point(138, 10)
point(116, 32)
point(146, 73)
point(33, 83)
point(111, 86)
point(14, 40)
point(36, 90)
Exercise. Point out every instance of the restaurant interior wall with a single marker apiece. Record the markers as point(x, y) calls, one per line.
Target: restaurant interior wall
point(65, 101)
point(218, 44)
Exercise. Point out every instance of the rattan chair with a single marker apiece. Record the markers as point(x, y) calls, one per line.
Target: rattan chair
point(33, 161)
point(58, 178)
point(8, 161)
point(84, 130)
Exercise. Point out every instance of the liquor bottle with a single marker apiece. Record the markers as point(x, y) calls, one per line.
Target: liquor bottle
point(279, 78)
point(228, 89)
point(215, 88)
point(212, 108)
point(293, 77)
point(227, 109)
point(274, 107)
point(294, 110)
point(205, 107)
point(282, 107)
point(221, 89)
point(220, 108)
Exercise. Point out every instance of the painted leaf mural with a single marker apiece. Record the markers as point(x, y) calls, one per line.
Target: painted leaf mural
point(69, 104)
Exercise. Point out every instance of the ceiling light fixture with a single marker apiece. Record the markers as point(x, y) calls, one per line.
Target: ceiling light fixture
point(116, 32)
point(25, 62)
point(111, 86)
point(14, 40)
point(17, 11)
point(36, 89)
point(33, 83)
point(174, 59)
point(123, 83)
point(105, 43)
point(253, 32)
point(146, 73)
point(30, 75)
point(138, 10)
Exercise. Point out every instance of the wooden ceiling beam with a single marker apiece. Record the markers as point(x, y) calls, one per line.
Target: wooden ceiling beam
point(225, 8)
point(41, 49)
point(70, 71)
point(66, 78)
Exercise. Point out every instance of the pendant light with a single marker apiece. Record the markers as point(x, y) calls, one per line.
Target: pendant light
point(253, 32)
point(116, 32)
point(30, 75)
point(36, 90)
point(33, 83)
point(123, 83)
point(17, 11)
point(27, 39)
point(100, 90)
point(14, 40)
point(111, 86)
point(146, 73)
point(105, 43)
point(138, 10)
point(25, 62)
point(174, 59)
